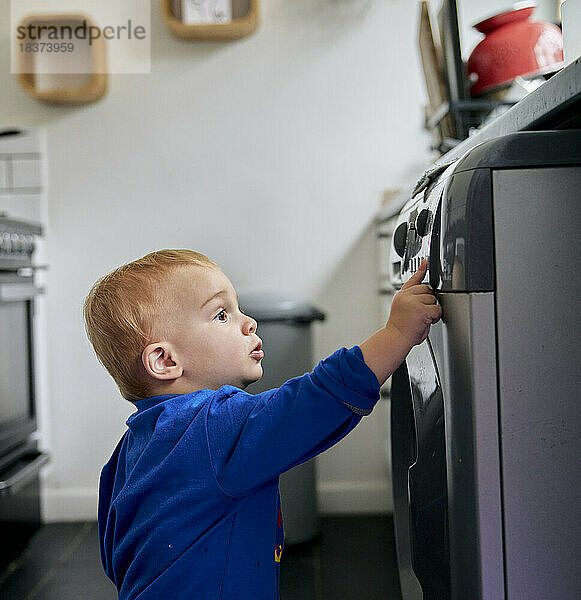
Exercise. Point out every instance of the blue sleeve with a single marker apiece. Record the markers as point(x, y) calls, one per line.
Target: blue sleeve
point(253, 439)
point(106, 517)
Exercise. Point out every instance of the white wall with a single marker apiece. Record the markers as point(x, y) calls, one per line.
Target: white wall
point(268, 154)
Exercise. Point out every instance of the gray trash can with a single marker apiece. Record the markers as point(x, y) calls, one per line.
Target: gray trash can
point(284, 325)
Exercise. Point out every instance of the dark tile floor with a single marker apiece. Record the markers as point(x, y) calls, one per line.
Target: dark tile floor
point(353, 559)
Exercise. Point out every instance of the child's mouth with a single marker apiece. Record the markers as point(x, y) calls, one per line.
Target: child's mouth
point(257, 353)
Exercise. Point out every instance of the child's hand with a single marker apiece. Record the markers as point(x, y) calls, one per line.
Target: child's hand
point(414, 308)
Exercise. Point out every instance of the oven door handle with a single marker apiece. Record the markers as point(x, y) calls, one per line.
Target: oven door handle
point(12, 484)
point(14, 292)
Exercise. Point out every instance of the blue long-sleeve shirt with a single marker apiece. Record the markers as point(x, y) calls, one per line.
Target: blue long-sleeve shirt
point(188, 503)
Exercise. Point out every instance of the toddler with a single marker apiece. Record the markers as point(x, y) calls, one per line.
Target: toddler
point(188, 503)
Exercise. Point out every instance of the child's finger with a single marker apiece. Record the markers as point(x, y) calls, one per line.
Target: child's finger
point(435, 313)
point(427, 298)
point(418, 276)
point(421, 288)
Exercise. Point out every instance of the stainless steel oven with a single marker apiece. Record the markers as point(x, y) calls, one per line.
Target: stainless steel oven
point(486, 412)
point(20, 459)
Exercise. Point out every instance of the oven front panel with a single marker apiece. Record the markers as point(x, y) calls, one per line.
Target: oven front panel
point(427, 477)
point(420, 477)
point(19, 499)
point(464, 347)
point(14, 362)
point(17, 406)
point(17, 294)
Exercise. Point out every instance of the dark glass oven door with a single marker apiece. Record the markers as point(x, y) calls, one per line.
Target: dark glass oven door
point(19, 499)
point(17, 413)
point(420, 477)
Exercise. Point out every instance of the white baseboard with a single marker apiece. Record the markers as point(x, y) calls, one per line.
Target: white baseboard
point(335, 497)
point(68, 504)
point(354, 497)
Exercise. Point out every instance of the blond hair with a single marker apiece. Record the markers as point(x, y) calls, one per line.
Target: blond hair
point(120, 311)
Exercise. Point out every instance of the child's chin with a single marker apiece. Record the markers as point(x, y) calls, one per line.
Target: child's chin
point(253, 380)
point(257, 378)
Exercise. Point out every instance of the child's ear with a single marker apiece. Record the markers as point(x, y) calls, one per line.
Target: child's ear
point(158, 360)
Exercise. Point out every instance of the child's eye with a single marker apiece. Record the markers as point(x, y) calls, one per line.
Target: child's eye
point(222, 316)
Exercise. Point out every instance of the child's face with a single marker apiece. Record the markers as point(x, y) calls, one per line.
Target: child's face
point(214, 342)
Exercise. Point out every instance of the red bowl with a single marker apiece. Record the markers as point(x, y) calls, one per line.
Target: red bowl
point(520, 12)
point(513, 47)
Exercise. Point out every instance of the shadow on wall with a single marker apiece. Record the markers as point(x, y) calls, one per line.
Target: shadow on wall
point(354, 476)
point(349, 297)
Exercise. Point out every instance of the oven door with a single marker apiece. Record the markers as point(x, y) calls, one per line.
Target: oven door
point(17, 407)
point(19, 499)
point(420, 477)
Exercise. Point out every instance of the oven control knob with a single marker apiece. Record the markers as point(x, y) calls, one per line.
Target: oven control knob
point(16, 243)
point(423, 222)
point(399, 238)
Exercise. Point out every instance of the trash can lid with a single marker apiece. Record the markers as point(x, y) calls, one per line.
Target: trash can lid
point(276, 306)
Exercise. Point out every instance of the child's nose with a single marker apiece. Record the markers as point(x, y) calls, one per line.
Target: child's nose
point(250, 326)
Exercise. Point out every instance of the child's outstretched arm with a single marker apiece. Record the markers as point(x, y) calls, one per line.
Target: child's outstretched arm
point(413, 310)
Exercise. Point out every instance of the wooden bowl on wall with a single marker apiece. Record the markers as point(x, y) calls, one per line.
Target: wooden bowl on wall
point(75, 88)
point(244, 22)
